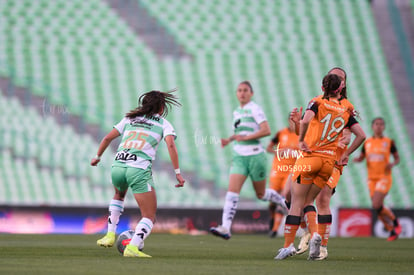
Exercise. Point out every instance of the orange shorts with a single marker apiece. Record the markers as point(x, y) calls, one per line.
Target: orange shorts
point(382, 185)
point(278, 180)
point(334, 178)
point(316, 170)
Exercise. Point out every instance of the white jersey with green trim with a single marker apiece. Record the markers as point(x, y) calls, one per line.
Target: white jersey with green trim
point(246, 121)
point(140, 139)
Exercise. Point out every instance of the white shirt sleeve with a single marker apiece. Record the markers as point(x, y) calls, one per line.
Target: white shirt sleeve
point(258, 115)
point(121, 125)
point(168, 130)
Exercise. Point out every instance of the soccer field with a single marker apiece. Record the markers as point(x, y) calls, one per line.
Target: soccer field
point(184, 254)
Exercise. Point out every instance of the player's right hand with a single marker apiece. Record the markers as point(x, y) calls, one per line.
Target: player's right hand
point(295, 115)
point(224, 142)
point(343, 160)
point(95, 161)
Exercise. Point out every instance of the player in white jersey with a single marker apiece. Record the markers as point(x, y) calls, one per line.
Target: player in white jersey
point(249, 158)
point(142, 129)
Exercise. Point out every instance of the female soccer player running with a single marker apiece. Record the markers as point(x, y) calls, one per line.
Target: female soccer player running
point(142, 129)
point(249, 157)
point(377, 151)
point(324, 119)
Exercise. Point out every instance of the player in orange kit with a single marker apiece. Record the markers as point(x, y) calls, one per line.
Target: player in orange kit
point(320, 127)
point(323, 199)
point(377, 151)
point(284, 146)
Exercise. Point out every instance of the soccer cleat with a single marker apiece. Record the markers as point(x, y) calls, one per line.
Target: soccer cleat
point(107, 241)
point(133, 251)
point(141, 246)
point(304, 243)
point(286, 252)
point(393, 236)
point(398, 229)
point(220, 231)
point(314, 246)
point(323, 254)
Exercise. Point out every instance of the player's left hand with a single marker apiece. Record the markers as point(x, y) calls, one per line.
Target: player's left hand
point(180, 180)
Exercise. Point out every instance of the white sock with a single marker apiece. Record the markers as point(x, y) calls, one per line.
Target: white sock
point(273, 196)
point(142, 231)
point(116, 208)
point(229, 209)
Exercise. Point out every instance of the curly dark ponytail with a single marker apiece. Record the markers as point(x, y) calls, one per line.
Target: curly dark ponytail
point(154, 102)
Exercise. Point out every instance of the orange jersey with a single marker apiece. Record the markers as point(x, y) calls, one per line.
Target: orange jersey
point(377, 152)
point(286, 143)
point(331, 117)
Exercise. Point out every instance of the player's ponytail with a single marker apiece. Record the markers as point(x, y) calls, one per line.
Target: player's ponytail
point(331, 85)
point(154, 102)
point(343, 91)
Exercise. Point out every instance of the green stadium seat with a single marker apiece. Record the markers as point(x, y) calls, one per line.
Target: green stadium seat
point(95, 66)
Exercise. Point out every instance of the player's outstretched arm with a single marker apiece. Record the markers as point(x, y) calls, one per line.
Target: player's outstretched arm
point(226, 141)
point(172, 150)
point(104, 144)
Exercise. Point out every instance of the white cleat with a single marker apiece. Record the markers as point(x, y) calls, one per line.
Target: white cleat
point(304, 243)
point(286, 252)
point(323, 254)
point(315, 246)
point(220, 231)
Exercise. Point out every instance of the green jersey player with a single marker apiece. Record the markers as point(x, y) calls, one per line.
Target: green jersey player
point(141, 129)
point(249, 158)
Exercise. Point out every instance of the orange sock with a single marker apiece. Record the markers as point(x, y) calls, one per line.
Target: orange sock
point(324, 228)
point(277, 219)
point(291, 227)
point(310, 218)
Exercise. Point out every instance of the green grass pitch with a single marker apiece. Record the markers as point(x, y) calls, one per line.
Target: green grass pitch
point(184, 254)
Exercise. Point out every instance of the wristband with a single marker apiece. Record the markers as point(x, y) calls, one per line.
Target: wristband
point(177, 171)
point(97, 157)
